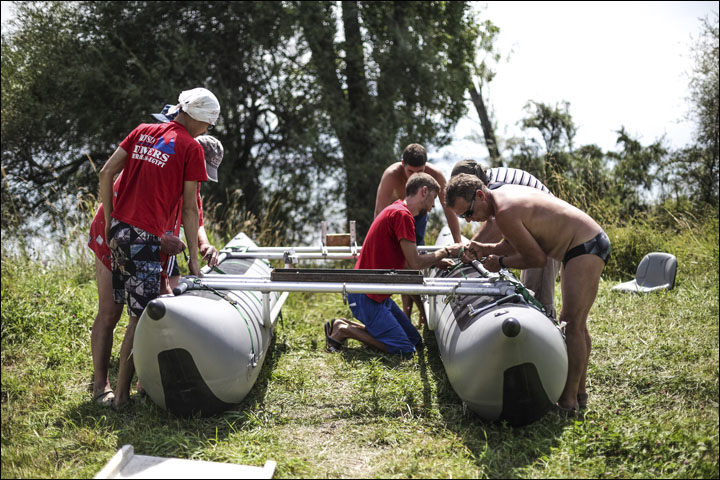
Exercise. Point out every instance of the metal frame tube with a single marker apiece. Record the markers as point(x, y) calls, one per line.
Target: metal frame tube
point(306, 253)
point(294, 256)
point(311, 249)
point(470, 288)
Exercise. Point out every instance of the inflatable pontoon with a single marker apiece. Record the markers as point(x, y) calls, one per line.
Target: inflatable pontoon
point(201, 352)
point(504, 357)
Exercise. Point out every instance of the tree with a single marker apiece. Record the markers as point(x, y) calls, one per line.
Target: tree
point(486, 124)
point(390, 74)
point(555, 124)
point(484, 75)
point(694, 170)
point(77, 77)
point(557, 130)
point(308, 111)
point(635, 170)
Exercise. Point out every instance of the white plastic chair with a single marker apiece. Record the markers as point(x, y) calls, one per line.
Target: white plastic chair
point(656, 272)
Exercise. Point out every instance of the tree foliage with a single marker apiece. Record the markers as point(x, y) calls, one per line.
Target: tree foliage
point(620, 183)
point(84, 74)
point(694, 170)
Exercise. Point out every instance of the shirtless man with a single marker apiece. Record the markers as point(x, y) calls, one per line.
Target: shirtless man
point(540, 280)
point(392, 188)
point(536, 226)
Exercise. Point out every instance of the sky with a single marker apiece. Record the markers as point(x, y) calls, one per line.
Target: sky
point(616, 63)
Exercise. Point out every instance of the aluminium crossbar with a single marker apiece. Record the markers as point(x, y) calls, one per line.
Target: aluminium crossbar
point(315, 249)
point(446, 286)
point(302, 253)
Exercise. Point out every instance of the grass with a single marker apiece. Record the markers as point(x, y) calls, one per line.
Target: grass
point(653, 384)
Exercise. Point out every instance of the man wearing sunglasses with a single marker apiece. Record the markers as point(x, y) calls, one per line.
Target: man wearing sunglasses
point(392, 188)
point(536, 226)
point(540, 280)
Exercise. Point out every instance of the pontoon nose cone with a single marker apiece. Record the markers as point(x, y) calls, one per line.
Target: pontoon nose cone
point(510, 327)
point(156, 309)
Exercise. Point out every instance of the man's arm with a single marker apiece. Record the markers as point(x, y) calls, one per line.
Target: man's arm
point(450, 216)
point(107, 174)
point(208, 252)
point(519, 248)
point(190, 219)
point(435, 259)
point(385, 189)
point(488, 232)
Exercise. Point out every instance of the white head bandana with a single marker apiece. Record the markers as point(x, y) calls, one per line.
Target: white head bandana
point(200, 104)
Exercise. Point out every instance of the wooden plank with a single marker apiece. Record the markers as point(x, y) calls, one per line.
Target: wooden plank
point(346, 275)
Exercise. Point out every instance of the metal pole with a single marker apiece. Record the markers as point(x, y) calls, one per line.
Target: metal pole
point(319, 249)
point(338, 287)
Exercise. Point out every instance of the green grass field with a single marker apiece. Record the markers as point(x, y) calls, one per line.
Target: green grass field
point(653, 385)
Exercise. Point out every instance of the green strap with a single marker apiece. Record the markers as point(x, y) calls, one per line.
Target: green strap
point(522, 290)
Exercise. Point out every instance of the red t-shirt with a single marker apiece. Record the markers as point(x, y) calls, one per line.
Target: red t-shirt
point(98, 244)
point(381, 248)
point(161, 156)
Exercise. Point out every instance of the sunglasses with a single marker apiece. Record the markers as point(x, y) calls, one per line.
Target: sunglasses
point(470, 211)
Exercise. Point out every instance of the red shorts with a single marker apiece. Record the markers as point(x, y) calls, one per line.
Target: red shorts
point(97, 241)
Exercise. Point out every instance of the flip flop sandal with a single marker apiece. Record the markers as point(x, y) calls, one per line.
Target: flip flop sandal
point(105, 398)
point(331, 345)
point(565, 412)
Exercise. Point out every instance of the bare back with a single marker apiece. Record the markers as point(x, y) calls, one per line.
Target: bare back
point(524, 214)
point(392, 184)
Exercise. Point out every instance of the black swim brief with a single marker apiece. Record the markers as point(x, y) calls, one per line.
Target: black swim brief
point(598, 245)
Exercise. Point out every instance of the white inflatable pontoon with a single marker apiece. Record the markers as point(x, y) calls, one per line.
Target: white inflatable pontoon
point(201, 352)
point(504, 357)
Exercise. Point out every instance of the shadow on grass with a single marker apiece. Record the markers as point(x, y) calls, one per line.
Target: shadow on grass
point(501, 450)
point(153, 430)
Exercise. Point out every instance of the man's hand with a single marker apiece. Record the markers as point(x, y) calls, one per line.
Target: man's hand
point(209, 254)
point(445, 263)
point(492, 263)
point(474, 250)
point(455, 249)
point(468, 254)
point(171, 245)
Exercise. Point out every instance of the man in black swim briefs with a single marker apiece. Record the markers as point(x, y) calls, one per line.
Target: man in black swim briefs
point(598, 245)
point(536, 226)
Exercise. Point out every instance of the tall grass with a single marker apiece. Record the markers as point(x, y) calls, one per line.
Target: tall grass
point(653, 385)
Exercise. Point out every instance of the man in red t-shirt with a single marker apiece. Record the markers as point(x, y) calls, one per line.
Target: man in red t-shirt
point(109, 312)
point(162, 165)
point(392, 187)
point(390, 244)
